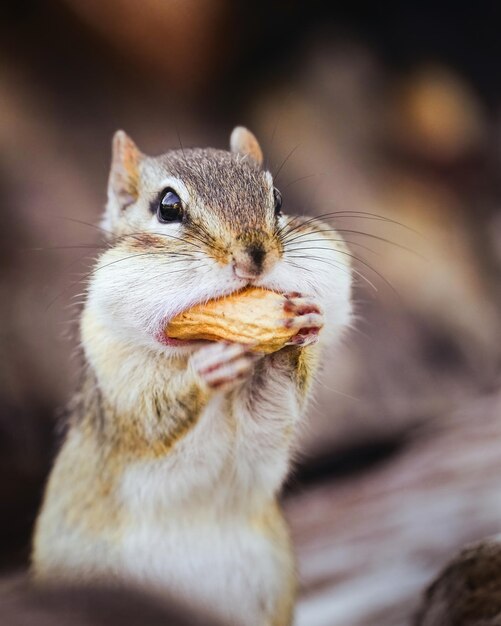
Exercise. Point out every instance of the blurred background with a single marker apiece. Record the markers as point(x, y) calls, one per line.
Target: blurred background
point(389, 116)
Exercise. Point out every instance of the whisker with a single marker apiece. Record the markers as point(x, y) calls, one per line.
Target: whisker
point(374, 216)
point(301, 222)
point(276, 174)
point(89, 224)
point(275, 127)
point(297, 180)
point(135, 235)
point(162, 274)
point(288, 224)
point(101, 267)
point(76, 261)
point(201, 234)
point(342, 268)
point(187, 254)
point(355, 232)
point(179, 139)
point(340, 393)
point(134, 256)
point(347, 214)
point(369, 215)
point(286, 244)
point(297, 266)
point(346, 269)
point(369, 266)
point(202, 229)
point(352, 256)
point(379, 238)
point(75, 247)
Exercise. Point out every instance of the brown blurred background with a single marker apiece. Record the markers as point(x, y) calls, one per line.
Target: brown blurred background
point(390, 116)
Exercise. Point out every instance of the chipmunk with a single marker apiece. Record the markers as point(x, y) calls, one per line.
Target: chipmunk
point(175, 451)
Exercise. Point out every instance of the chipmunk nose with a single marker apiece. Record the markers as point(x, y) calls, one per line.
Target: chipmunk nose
point(249, 262)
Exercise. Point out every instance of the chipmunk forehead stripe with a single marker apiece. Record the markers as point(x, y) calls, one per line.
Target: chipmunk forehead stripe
point(232, 188)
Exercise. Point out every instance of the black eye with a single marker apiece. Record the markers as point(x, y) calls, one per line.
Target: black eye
point(277, 197)
point(170, 208)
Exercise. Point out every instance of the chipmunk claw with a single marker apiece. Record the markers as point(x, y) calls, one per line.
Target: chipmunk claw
point(305, 337)
point(222, 364)
point(307, 317)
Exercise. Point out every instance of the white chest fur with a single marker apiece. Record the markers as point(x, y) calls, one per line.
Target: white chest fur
point(225, 567)
point(193, 526)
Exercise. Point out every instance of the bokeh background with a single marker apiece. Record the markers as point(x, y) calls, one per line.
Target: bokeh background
point(389, 116)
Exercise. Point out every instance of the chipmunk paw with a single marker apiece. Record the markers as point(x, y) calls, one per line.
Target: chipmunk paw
point(307, 317)
point(223, 365)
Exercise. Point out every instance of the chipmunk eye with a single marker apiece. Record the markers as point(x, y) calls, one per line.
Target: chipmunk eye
point(277, 197)
point(170, 208)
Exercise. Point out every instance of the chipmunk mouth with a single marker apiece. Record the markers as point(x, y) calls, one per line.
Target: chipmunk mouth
point(164, 337)
point(237, 286)
point(165, 340)
point(257, 317)
point(161, 333)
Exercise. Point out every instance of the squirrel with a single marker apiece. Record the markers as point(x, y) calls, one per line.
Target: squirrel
point(175, 452)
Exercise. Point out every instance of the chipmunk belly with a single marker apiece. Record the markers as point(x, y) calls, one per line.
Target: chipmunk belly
point(199, 526)
point(234, 569)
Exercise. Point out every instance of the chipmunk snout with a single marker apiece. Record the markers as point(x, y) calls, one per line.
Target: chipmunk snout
point(249, 262)
point(253, 258)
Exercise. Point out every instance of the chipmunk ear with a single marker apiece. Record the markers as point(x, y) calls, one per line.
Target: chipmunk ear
point(123, 182)
point(242, 141)
point(124, 174)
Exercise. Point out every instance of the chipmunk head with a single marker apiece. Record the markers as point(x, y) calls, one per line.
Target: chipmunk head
point(220, 202)
point(186, 227)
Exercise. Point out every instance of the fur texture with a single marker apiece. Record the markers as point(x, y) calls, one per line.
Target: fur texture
point(175, 454)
